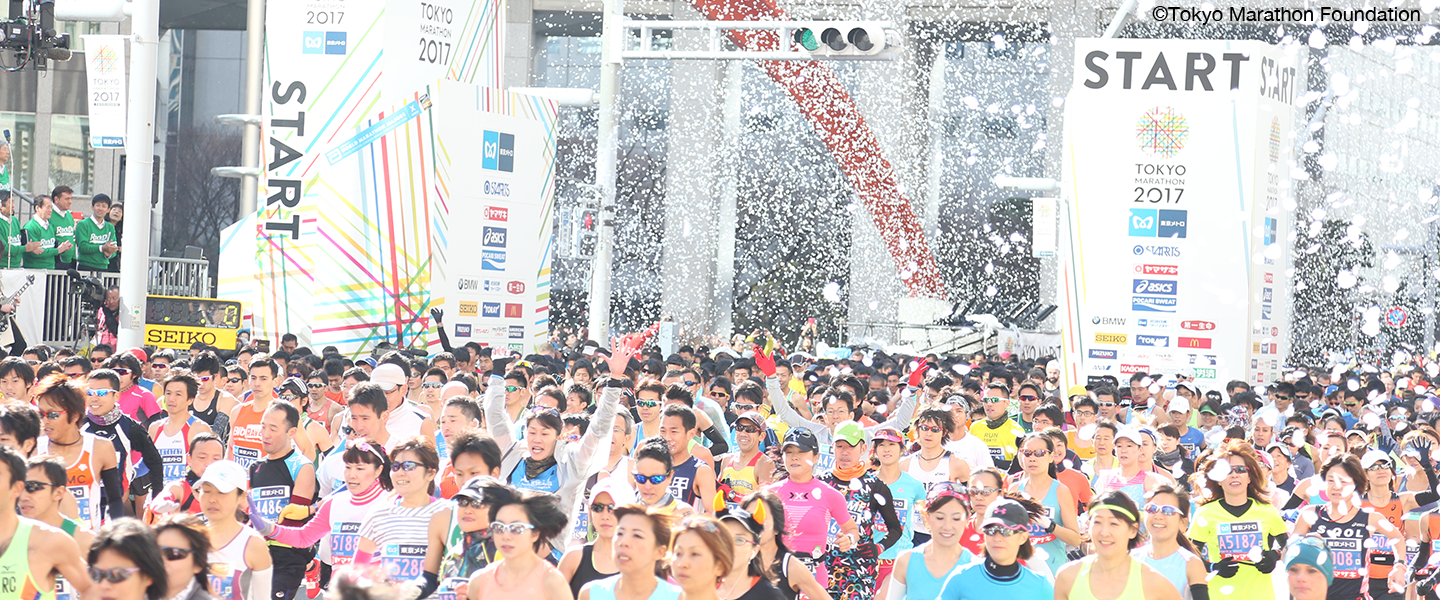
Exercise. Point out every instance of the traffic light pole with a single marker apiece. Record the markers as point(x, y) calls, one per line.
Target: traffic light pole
point(611, 38)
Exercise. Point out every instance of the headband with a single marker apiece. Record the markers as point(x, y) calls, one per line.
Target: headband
point(1116, 509)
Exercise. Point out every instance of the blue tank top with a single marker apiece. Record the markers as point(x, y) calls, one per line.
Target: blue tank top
point(1172, 567)
point(1054, 548)
point(919, 583)
point(604, 589)
point(547, 481)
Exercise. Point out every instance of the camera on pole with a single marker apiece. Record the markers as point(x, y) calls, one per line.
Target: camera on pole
point(30, 34)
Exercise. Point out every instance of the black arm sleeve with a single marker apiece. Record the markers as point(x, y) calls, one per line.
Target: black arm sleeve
point(882, 501)
point(444, 343)
point(1199, 591)
point(432, 581)
point(1294, 502)
point(1277, 542)
point(1432, 494)
point(112, 493)
point(718, 445)
point(140, 442)
point(1422, 556)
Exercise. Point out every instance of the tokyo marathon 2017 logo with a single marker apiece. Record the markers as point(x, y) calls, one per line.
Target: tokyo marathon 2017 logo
point(106, 60)
point(1162, 132)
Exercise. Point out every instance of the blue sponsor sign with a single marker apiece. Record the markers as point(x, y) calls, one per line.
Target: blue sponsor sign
point(1150, 304)
point(335, 42)
point(1156, 341)
point(490, 310)
point(1143, 222)
point(462, 330)
point(1105, 354)
point(1155, 287)
point(498, 151)
point(492, 260)
point(313, 42)
point(1171, 223)
point(493, 237)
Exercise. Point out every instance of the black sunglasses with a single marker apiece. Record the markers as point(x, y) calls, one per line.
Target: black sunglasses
point(173, 553)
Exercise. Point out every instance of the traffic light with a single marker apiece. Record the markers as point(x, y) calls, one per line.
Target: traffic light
point(588, 227)
point(841, 38)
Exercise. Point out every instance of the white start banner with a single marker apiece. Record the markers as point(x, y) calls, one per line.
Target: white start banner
point(1177, 172)
point(105, 75)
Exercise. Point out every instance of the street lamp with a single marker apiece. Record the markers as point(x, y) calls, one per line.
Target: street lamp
point(236, 172)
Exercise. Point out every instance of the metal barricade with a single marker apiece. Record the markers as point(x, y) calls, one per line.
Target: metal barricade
point(185, 277)
point(62, 306)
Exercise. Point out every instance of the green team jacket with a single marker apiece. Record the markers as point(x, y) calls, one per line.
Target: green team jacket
point(45, 234)
point(13, 253)
point(89, 237)
point(62, 222)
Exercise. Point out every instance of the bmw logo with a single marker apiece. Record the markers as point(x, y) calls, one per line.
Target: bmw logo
point(1095, 320)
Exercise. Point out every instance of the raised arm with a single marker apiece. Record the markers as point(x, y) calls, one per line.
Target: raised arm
point(785, 411)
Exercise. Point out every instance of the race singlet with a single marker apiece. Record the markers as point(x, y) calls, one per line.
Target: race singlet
point(448, 587)
point(1037, 533)
point(403, 561)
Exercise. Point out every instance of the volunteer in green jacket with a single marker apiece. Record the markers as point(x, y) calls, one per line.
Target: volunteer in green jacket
point(11, 252)
point(40, 230)
point(95, 237)
point(62, 222)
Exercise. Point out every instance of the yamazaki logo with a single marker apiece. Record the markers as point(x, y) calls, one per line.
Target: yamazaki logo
point(1167, 270)
point(497, 213)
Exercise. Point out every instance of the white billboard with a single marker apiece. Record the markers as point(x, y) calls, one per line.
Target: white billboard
point(1178, 188)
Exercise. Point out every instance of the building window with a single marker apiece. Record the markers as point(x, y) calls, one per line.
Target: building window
point(72, 160)
point(21, 127)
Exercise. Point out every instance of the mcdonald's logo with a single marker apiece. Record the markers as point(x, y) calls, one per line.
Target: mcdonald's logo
point(1189, 342)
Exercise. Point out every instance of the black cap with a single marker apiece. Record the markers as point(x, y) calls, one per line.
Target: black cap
point(801, 438)
point(744, 519)
point(1007, 513)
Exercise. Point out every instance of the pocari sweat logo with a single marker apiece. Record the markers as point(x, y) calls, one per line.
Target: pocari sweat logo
point(499, 151)
point(492, 260)
point(493, 237)
point(1155, 287)
point(1152, 304)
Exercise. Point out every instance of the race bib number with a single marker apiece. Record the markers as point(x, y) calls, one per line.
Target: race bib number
point(174, 460)
point(224, 582)
point(1349, 562)
point(997, 454)
point(82, 501)
point(403, 561)
point(449, 587)
point(825, 461)
point(1037, 533)
point(246, 456)
point(1379, 544)
point(1237, 539)
point(343, 541)
point(63, 591)
point(269, 500)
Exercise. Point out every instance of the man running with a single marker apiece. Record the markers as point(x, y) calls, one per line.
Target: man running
point(34, 553)
point(282, 490)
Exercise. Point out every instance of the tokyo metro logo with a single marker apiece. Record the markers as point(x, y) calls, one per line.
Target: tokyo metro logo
point(1162, 132)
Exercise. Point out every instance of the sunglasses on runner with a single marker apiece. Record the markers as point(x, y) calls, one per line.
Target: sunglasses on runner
point(173, 553)
point(652, 479)
point(99, 393)
point(116, 575)
point(719, 394)
point(234, 380)
point(1002, 530)
point(741, 409)
point(1239, 469)
point(930, 428)
point(315, 386)
point(647, 403)
point(746, 429)
point(600, 507)
point(1381, 465)
point(121, 371)
point(510, 528)
point(35, 486)
point(431, 385)
point(1034, 453)
point(53, 414)
point(994, 400)
point(1157, 509)
point(406, 465)
point(159, 366)
point(468, 502)
point(513, 388)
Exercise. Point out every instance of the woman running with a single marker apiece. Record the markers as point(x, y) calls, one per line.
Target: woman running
point(784, 569)
point(1170, 552)
point(653, 472)
point(185, 546)
point(239, 559)
point(1006, 571)
point(642, 539)
point(125, 564)
point(985, 487)
point(1114, 533)
point(1381, 497)
point(336, 524)
point(746, 579)
point(1347, 528)
point(1236, 518)
point(810, 506)
point(596, 560)
point(520, 528)
point(1059, 527)
point(397, 533)
point(701, 553)
point(915, 571)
